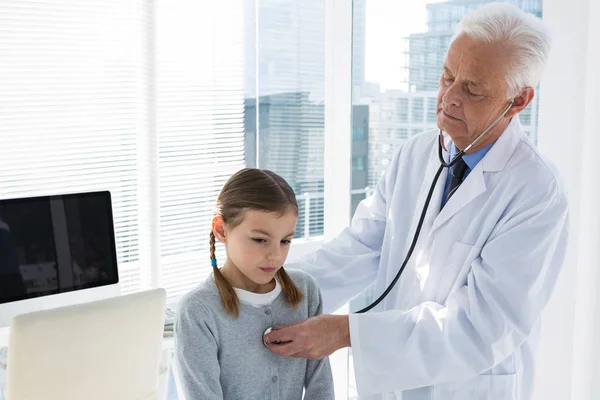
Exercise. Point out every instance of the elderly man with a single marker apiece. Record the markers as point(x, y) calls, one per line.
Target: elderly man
point(462, 322)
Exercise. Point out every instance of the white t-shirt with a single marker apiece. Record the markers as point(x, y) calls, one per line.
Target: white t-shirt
point(258, 299)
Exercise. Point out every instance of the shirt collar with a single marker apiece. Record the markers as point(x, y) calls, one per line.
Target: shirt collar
point(473, 158)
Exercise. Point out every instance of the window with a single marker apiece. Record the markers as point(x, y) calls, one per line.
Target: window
point(431, 109)
point(288, 39)
point(75, 111)
point(200, 112)
point(161, 109)
point(402, 133)
point(358, 163)
point(431, 59)
point(358, 133)
point(402, 109)
point(417, 110)
point(525, 116)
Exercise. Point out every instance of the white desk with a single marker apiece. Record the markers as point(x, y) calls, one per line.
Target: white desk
point(163, 377)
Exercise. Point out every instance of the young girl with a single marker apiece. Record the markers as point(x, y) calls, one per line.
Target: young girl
point(219, 326)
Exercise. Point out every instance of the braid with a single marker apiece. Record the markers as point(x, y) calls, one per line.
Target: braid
point(212, 245)
point(228, 297)
point(292, 293)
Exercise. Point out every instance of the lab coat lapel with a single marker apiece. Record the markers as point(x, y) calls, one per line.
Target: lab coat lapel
point(471, 187)
point(436, 199)
point(474, 185)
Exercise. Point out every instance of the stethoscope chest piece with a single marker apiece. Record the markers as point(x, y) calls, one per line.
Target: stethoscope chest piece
point(265, 334)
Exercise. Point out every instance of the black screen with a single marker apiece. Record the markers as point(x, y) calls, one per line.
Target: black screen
point(56, 244)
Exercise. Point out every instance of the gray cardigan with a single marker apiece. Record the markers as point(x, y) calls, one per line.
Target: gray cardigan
point(220, 357)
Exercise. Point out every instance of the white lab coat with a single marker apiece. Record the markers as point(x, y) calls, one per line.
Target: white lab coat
point(462, 323)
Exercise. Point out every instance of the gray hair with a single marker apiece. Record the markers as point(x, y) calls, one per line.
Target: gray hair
point(524, 33)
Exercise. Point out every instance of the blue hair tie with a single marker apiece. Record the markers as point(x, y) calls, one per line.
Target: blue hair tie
point(213, 262)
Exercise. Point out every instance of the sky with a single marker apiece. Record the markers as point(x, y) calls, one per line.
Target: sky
point(387, 22)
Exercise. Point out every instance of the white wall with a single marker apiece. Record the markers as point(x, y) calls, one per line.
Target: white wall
point(593, 129)
point(338, 144)
point(569, 135)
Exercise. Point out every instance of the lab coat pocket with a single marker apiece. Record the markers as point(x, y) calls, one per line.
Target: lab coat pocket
point(483, 387)
point(456, 267)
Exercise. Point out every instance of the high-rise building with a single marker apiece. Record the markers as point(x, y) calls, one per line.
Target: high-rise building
point(360, 154)
point(394, 117)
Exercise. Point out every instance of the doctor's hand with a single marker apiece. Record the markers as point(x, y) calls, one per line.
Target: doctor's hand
point(314, 338)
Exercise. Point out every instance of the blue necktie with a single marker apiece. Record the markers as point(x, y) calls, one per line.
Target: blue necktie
point(457, 174)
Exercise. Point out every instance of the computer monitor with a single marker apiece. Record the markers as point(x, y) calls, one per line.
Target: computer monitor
point(56, 251)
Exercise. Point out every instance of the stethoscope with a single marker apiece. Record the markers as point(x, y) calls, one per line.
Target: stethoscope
point(443, 164)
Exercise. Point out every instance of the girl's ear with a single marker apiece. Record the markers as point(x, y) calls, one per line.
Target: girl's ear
point(218, 228)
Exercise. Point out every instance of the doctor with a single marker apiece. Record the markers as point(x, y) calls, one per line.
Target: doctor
point(463, 320)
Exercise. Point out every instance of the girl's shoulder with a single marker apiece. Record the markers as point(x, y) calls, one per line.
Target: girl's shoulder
point(201, 299)
point(305, 282)
point(300, 277)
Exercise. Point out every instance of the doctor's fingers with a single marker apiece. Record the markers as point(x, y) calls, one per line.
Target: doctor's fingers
point(287, 334)
point(279, 327)
point(291, 349)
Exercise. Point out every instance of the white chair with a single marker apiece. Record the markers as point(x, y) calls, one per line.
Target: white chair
point(103, 350)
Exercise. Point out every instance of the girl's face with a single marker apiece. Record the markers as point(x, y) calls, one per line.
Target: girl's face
point(256, 248)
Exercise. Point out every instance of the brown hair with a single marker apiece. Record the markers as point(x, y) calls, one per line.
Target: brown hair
point(260, 190)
